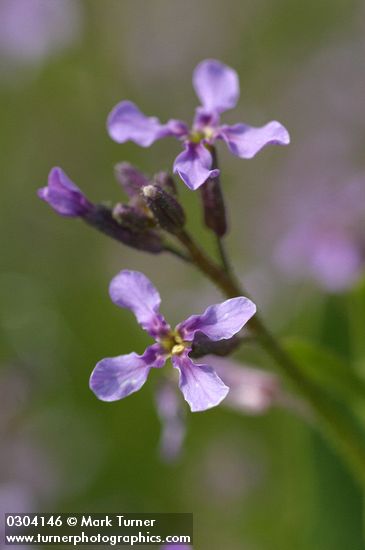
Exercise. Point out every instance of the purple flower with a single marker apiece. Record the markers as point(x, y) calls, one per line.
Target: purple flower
point(64, 196)
point(253, 391)
point(325, 242)
point(171, 412)
point(115, 378)
point(331, 257)
point(176, 547)
point(31, 30)
point(217, 87)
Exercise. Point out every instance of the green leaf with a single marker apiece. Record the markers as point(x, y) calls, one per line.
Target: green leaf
point(356, 310)
point(327, 370)
point(332, 388)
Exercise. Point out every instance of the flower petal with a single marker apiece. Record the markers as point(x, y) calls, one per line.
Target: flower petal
point(194, 165)
point(201, 386)
point(216, 85)
point(117, 377)
point(127, 123)
point(176, 128)
point(220, 321)
point(246, 141)
point(204, 118)
point(133, 290)
point(63, 195)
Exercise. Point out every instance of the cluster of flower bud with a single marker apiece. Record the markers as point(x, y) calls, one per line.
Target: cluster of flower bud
point(152, 205)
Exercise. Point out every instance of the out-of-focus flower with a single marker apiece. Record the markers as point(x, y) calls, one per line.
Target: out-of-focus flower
point(252, 391)
point(31, 30)
point(14, 390)
point(115, 378)
point(64, 196)
point(14, 497)
point(27, 475)
point(327, 241)
point(217, 87)
point(171, 413)
point(176, 547)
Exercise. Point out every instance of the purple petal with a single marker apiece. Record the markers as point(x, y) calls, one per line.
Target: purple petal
point(127, 123)
point(63, 195)
point(246, 141)
point(117, 377)
point(216, 85)
point(176, 547)
point(176, 128)
point(155, 356)
point(132, 289)
point(194, 165)
point(204, 118)
point(201, 386)
point(219, 322)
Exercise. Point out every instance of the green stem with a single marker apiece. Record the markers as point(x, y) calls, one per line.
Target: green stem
point(216, 274)
point(168, 247)
point(223, 255)
point(341, 431)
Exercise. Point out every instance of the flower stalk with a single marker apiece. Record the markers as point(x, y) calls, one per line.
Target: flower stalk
point(337, 426)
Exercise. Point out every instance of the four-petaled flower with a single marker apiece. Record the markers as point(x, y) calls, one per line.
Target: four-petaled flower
point(217, 87)
point(115, 378)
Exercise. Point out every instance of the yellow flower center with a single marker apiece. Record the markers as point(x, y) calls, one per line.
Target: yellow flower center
point(196, 136)
point(173, 343)
point(208, 132)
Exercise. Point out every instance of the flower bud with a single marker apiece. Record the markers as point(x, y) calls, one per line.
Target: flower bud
point(213, 206)
point(166, 209)
point(166, 182)
point(131, 179)
point(213, 202)
point(64, 196)
point(102, 219)
point(202, 346)
point(131, 217)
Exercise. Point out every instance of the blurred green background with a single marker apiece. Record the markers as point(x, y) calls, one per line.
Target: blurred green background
point(253, 483)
